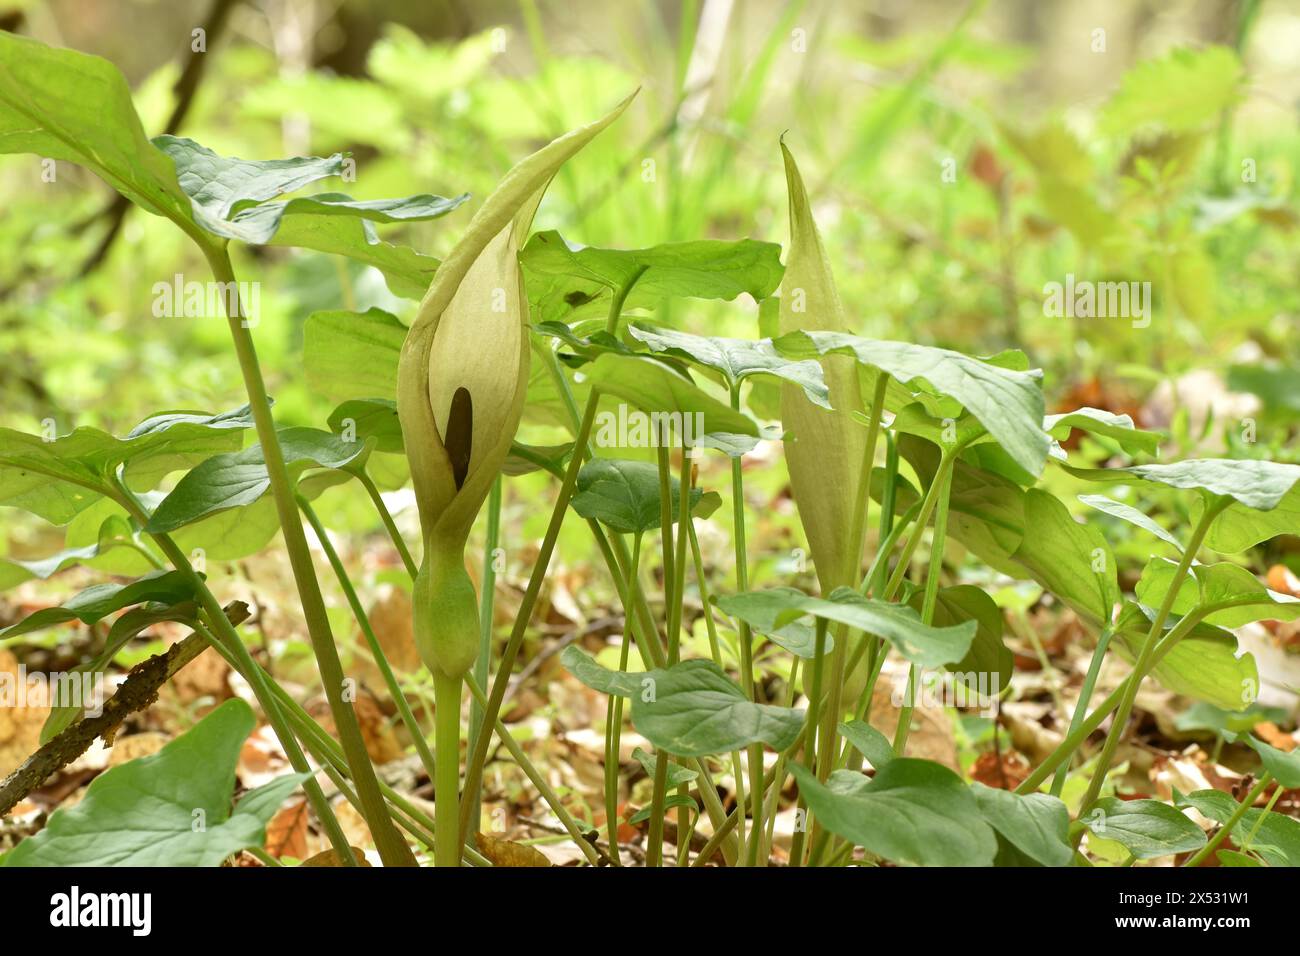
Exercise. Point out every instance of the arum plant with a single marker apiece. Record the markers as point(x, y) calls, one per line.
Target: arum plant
point(965, 443)
point(461, 387)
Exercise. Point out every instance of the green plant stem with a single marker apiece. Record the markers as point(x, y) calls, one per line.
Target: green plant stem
point(329, 755)
point(391, 526)
point(746, 643)
point(684, 522)
point(1143, 662)
point(261, 687)
point(487, 609)
point(937, 542)
point(614, 717)
point(548, 794)
point(446, 794)
point(778, 774)
point(393, 850)
point(810, 731)
point(828, 749)
point(372, 641)
point(1073, 740)
point(1237, 814)
point(928, 504)
point(1259, 821)
point(474, 765)
point(655, 838)
point(1081, 708)
point(715, 648)
point(1021, 624)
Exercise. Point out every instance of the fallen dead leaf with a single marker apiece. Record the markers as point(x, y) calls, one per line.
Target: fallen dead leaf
point(20, 726)
point(286, 833)
point(205, 676)
point(330, 857)
point(145, 744)
point(1006, 774)
point(1274, 736)
point(390, 616)
point(506, 853)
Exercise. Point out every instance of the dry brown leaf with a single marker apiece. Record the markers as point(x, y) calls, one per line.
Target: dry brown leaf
point(136, 745)
point(1012, 772)
point(330, 857)
point(261, 759)
point(286, 833)
point(505, 853)
point(390, 616)
point(1274, 736)
point(205, 676)
point(376, 729)
point(931, 737)
point(20, 727)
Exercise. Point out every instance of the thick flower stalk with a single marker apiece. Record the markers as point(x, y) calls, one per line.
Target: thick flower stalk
point(461, 386)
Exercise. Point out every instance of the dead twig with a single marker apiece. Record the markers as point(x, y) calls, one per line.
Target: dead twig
point(138, 691)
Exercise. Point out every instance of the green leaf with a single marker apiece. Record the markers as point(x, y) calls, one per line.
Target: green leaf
point(988, 654)
point(407, 272)
point(1070, 559)
point(1284, 766)
point(1203, 716)
point(1117, 509)
point(1242, 597)
point(869, 742)
point(1239, 527)
point(353, 355)
point(240, 478)
point(703, 269)
point(671, 801)
point(912, 811)
point(1146, 828)
point(57, 479)
point(1278, 837)
point(624, 495)
point(1006, 401)
point(986, 510)
point(1233, 858)
point(370, 418)
point(66, 105)
point(586, 670)
point(524, 459)
point(766, 611)
point(1118, 428)
point(229, 198)
point(692, 709)
point(100, 600)
point(678, 775)
point(1034, 823)
point(14, 572)
point(1183, 90)
point(229, 195)
point(653, 387)
point(1203, 665)
point(1257, 484)
point(736, 359)
point(144, 813)
point(1265, 495)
